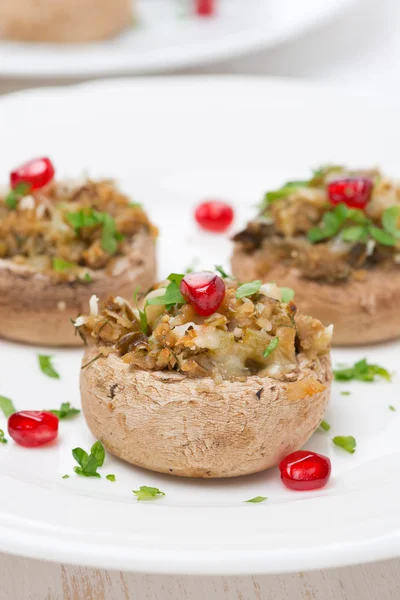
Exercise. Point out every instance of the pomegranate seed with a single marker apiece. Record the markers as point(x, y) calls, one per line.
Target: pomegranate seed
point(204, 290)
point(205, 8)
point(305, 470)
point(214, 215)
point(33, 427)
point(353, 191)
point(37, 173)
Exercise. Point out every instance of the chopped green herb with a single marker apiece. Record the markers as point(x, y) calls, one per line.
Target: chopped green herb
point(147, 493)
point(346, 442)
point(257, 499)
point(20, 190)
point(171, 296)
point(3, 440)
point(65, 411)
point(92, 218)
point(89, 463)
point(111, 477)
point(271, 347)
point(390, 220)
point(357, 233)
point(284, 191)
point(345, 393)
point(176, 277)
point(221, 271)
point(142, 313)
point(248, 289)
point(65, 477)
point(60, 265)
point(325, 425)
point(287, 294)
point(391, 407)
point(7, 406)
point(362, 371)
point(381, 236)
point(87, 277)
point(46, 366)
point(332, 221)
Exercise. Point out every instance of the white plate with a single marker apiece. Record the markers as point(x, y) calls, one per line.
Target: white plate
point(229, 138)
point(169, 37)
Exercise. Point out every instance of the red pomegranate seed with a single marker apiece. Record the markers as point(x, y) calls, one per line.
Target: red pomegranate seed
point(33, 427)
point(204, 8)
point(305, 470)
point(353, 191)
point(37, 173)
point(214, 215)
point(204, 290)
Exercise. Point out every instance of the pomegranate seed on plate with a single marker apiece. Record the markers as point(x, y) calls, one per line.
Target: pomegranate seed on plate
point(37, 173)
point(204, 290)
point(214, 215)
point(33, 427)
point(204, 8)
point(305, 470)
point(353, 191)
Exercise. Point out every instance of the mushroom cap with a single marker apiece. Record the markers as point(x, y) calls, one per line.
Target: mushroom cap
point(36, 310)
point(167, 422)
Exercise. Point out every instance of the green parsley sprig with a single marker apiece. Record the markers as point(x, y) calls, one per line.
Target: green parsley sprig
point(145, 493)
point(14, 195)
point(46, 366)
point(346, 442)
point(257, 499)
point(89, 463)
point(3, 440)
point(362, 371)
point(271, 347)
point(92, 218)
point(7, 406)
point(66, 411)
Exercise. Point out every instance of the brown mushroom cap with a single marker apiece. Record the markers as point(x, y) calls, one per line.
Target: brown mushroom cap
point(362, 312)
point(36, 310)
point(66, 21)
point(166, 422)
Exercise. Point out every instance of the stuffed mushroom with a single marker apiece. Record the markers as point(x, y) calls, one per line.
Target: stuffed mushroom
point(60, 243)
point(63, 21)
point(334, 239)
point(207, 379)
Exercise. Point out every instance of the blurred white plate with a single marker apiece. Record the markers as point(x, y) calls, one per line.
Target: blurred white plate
point(211, 137)
point(168, 37)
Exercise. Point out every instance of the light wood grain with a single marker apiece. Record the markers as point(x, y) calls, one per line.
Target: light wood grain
point(25, 579)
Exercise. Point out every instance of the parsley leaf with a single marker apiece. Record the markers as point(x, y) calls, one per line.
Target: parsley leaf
point(20, 190)
point(111, 477)
point(171, 296)
point(362, 371)
point(147, 493)
point(356, 233)
point(391, 407)
point(65, 411)
point(390, 220)
point(248, 289)
point(142, 313)
point(91, 218)
point(287, 294)
point(46, 366)
point(3, 440)
point(345, 393)
point(325, 425)
point(60, 265)
point(288, 188)
point(7, 406)
point(87, 277)
point(257, 499)
point(221, 271)
point(332, 221)
point(89, 463)
point(347, 442)
point(271, 347)
point(381, 236)
point(66, 476)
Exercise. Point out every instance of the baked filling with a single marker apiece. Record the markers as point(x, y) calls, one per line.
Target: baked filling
point(69, 230)
point(332, 227)
point(251, 334)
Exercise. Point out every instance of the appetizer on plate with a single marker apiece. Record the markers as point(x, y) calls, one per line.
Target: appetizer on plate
point(63, 20)
point(207, 379)
point(60, 243)
point(334, 239)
